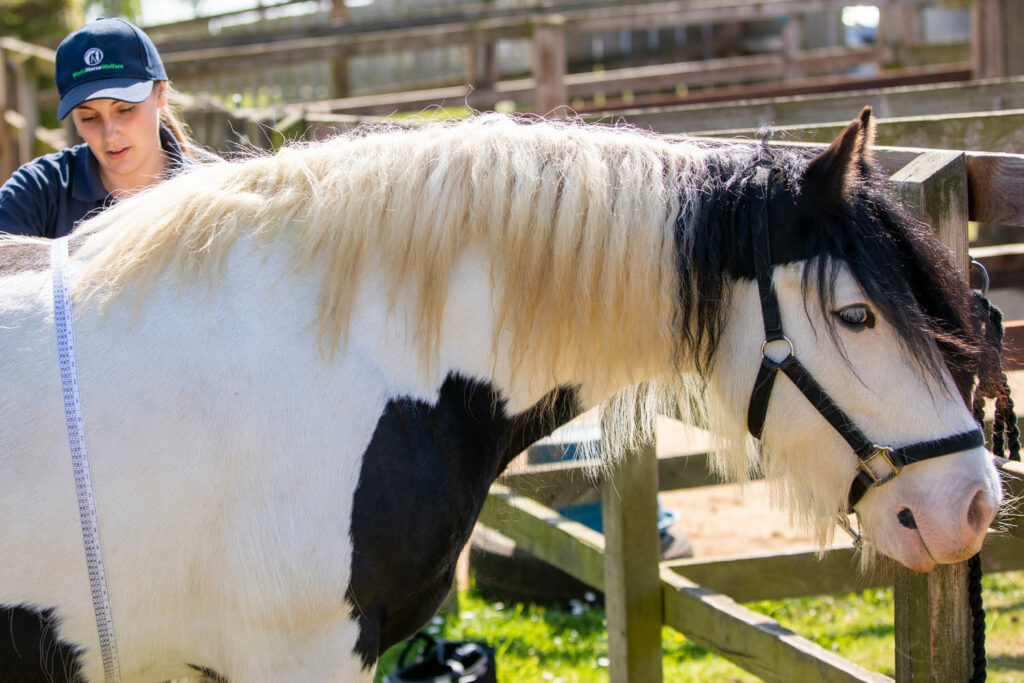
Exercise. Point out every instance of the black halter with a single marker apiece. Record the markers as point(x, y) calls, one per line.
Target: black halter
point(868, 453)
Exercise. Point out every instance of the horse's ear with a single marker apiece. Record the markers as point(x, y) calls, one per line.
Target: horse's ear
point(834, 172)
point(868, 130)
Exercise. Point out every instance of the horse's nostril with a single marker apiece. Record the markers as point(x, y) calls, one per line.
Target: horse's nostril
point(906, 518)
point(981, 511)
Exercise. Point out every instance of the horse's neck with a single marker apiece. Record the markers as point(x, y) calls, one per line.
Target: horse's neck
point(468, 345)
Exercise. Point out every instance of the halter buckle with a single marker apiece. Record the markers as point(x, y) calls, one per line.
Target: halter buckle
point(844, 523)
point(885, 453)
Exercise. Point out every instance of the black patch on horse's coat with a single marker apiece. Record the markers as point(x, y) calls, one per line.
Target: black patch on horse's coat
point(423, 482)
point(898, 262)
point(30, 650)
point(209, 674)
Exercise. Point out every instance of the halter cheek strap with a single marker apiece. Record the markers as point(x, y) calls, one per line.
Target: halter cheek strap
point(877, 464)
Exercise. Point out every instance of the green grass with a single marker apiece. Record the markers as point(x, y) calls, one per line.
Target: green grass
point(536, 643)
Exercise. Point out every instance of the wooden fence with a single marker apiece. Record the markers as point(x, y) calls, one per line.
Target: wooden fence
point(22, 67)
point(473, 43)
point(233, 61)
point(932, 618)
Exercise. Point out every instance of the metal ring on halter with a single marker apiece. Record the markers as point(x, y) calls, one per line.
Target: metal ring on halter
point(976, 265)
point(766, 342)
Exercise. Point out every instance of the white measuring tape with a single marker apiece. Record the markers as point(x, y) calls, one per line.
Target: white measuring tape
point(80, 456)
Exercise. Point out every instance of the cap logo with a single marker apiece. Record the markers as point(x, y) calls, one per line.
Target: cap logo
point(93, 56)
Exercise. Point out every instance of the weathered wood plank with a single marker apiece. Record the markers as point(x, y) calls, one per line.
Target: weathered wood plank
point(933, 624)
point(639, 79)
point(774, 576)
point(755, 642)
point(1004, 263)
point(1012, 473)
point(20, 47)
point(28, 106)
point(561, 483)
point(331, 42)
point(7, 156)
point(771, 576)
point(934, 187)
point(995, 181)
point(632, 587)
point(570, 546)
point(932, 614)
point(818, 107)
point(585, 17)
point(981, 131)
point(549, 63)
point(713, 621)
point(723, 70)
point(995, 42)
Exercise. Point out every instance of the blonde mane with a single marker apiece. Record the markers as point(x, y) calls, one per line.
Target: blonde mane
point(579, 222)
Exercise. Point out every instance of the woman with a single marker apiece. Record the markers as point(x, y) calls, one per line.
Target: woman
point(112, 82)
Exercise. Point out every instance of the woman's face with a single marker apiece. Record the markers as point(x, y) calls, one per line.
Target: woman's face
point(124, 137)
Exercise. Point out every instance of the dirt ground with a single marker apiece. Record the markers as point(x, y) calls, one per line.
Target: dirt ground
point(726, 519)
point(733, 520)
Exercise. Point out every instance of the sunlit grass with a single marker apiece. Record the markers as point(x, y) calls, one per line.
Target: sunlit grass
point(570, 644)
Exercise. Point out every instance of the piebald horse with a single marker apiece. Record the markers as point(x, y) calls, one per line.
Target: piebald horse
point(301, 372)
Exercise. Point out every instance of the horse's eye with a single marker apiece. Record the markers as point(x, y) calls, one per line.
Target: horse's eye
point(856, 316)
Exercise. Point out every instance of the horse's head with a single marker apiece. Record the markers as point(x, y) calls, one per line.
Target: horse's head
point(875, 318)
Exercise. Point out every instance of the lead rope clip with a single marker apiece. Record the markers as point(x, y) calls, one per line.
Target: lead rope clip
point(843, 521)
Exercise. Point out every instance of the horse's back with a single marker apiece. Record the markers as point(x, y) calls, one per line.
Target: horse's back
point(223, 477)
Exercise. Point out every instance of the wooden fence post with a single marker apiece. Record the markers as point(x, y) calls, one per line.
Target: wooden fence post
point(792, 36)
point(934, 188)
point(549, 59)
point(339, 66)
point(900, 25)
point(996, 48)
point(632, 585)
point(932, 615)
point(482, 56)
point(7, 159)
point(482, 61)
point(28, 104)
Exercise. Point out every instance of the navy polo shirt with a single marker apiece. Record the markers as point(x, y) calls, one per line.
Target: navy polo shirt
point(50, 195)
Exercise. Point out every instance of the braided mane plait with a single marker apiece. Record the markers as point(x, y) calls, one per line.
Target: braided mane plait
point(993, 382)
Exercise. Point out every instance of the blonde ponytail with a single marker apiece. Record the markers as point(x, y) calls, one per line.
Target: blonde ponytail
point(171, 118)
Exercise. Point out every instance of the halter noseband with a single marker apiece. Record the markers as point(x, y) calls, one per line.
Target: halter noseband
point(868, 453)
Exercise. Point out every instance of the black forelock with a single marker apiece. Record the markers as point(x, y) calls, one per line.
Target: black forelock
point(897, 261)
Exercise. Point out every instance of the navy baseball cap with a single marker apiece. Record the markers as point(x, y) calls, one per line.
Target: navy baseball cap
point(106, 59)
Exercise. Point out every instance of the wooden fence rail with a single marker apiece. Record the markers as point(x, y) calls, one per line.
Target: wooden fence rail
point(697, 605)
point(476, 30)
point(711, 620)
